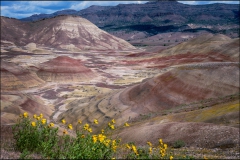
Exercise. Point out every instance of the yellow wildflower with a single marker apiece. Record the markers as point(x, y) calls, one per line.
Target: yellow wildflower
point(35, 116)
point(44, 121)
point(113, 121)
point(160, 141)
point(65, 132)
point(33, 124)
point(106, 142)
point(134, 149)
point(63, 121)
point(102, 131)
point(70, 126)
point(86, 126)
point(82, 136)
point(95, 121)
point(114, 142)
point(126, 124)
point(51, 124)
point(25, 114)
point(127, 145)
point(101, 137)
point(41, 115)
point(149, 143)
point(171, 157)
point(94, 138)
point(112, 127)
point(150, 150)
point(165, 146)
point(38, 118)
point(114, 148)
point(162, 151)
point(79, 121)
point(90, 130)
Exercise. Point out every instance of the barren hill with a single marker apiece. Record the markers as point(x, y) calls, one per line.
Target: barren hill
point(12, 105)
point(15, 31)
point(66, 32)
point(16, 78)
point(187, 86)
point(205, 48)
point(65, 69)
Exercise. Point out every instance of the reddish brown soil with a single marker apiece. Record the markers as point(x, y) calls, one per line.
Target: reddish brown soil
point(15, 77)
point(139, 54)
point(64, 64)
point(167, 61)
point(181, 86)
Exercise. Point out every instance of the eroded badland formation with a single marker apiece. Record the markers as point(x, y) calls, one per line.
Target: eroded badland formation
point(66, 67)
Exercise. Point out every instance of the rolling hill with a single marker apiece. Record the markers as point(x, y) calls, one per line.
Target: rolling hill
point(65, 32)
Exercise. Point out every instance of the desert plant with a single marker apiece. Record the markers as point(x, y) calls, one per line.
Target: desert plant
point(178, 144)
point(37, 135)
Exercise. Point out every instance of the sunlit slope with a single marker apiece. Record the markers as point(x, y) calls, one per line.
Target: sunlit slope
point(183, 85)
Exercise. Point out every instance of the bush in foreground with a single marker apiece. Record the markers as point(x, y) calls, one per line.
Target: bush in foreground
point(36, 135)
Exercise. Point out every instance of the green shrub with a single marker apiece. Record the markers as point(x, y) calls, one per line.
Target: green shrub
point(36, 135)
point(178, 144)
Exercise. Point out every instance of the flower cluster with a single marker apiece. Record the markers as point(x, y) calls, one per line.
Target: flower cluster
point(87, 127)
point(150, 147)
point(38, 119)
point(162, 148)
point(111, 124)
point(44, 138)
point(34, 133)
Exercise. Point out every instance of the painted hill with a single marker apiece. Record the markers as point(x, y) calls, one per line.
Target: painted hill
point(12, 105)
point(64, 69)
point(205, 48)
point(183, 88)
point(65, 32)
point(16, 78)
